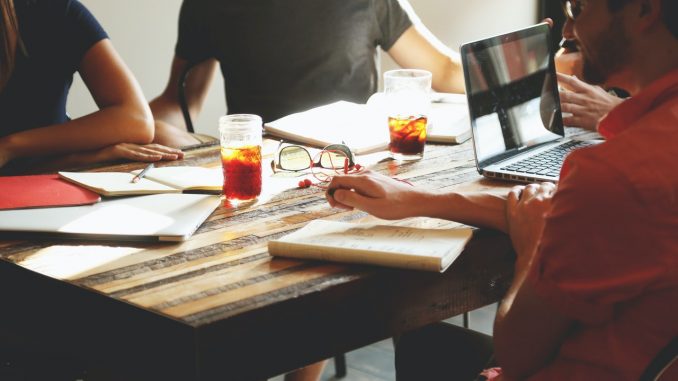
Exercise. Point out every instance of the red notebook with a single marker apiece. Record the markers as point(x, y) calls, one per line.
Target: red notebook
point(18, 192)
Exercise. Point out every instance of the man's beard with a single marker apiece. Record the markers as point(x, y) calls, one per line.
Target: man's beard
point(606, 54)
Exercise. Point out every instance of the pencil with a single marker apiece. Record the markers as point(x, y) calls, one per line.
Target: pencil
point(141, 174)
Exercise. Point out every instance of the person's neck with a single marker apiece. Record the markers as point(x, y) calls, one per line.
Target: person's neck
point(651, 59)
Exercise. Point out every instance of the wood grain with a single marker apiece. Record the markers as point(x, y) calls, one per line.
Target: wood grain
point(235, 312)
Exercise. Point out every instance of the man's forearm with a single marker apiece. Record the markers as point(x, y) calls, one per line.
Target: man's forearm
point(476, 209)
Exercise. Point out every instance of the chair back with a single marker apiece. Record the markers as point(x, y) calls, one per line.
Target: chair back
point(665, 359)
point(182, 98)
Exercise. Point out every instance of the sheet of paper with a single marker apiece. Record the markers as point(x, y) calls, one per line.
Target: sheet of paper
point(116, 183)
point(386, 238)
point(187, 177)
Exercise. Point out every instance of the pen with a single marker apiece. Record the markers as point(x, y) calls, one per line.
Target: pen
point(141, 174)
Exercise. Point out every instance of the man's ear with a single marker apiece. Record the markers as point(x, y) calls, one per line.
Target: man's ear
point(649, 14)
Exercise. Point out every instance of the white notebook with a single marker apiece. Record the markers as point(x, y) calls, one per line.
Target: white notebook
point(384, 245)
point(159, 217)
point(157, 180)
point(357, 125)
point(364, 127)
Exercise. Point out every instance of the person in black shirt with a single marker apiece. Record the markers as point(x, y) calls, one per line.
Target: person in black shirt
point(42, 44)
point(280, 57)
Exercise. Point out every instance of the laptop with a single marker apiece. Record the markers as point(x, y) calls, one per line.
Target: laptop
point(158, 217)
point(514, 106)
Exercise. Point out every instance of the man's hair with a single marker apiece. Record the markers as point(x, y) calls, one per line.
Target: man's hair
point(669, 12)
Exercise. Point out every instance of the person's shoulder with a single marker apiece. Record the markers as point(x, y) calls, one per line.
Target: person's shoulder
point(53, 10)
point(45, 5)
point(201, 8)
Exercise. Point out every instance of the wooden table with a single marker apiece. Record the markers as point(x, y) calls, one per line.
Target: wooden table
point(219, 307)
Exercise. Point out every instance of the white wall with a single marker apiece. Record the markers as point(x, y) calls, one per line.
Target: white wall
point(144, 33)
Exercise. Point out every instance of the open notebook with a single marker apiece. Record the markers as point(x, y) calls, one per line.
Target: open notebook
point(364, 127)
point(157, 180)
point(160, 217)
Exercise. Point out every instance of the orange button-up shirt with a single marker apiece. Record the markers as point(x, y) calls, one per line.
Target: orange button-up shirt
point(608, 257)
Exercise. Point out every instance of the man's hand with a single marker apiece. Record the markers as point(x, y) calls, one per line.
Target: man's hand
point(587, 103)
point(526, 213)
point(376, 194)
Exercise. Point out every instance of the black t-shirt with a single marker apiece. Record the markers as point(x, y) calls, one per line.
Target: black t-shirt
point(280, 56)
point(56, 34)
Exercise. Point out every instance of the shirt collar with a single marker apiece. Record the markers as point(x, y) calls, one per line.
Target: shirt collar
point(629, 111)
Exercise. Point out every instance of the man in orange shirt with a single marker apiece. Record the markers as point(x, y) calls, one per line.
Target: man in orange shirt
point(597, 256)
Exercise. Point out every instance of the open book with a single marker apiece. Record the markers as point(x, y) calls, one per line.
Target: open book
point(364, 127)
point(385, 245)
point(157, 180)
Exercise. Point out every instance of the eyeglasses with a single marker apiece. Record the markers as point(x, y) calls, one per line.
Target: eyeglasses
point(572, 9)
point(294, 158)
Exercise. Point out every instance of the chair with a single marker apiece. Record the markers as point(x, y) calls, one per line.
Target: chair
point(665, 359)
point(182, 98)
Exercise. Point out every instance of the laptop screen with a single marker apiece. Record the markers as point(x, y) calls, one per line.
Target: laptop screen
point(512, 93)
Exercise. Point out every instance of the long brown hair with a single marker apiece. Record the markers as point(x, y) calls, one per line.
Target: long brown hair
point(9, 38)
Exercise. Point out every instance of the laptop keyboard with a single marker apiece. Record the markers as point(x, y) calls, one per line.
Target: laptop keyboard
point(546, 163)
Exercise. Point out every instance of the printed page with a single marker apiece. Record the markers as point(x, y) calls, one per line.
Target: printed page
point(370, 243)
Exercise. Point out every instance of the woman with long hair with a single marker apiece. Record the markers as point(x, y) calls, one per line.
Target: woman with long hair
point(42, 44)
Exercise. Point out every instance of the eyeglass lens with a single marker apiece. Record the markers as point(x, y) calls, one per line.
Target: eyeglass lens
point(296, 158)
point(332, 159)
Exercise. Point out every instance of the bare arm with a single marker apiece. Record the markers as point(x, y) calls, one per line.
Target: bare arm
point(123, 114)
point(387, 198)
point(170, 125)
point(527, 330)
point(417, 48)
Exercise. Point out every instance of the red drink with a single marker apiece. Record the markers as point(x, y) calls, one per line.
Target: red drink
point(408, 136)
point(242, 172)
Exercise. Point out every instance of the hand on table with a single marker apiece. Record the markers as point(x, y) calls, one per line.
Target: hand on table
point(136, 152)
point(376, 194)
point(526, 210)
point(120, 151)
point(129, 151)
point(587, 103)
